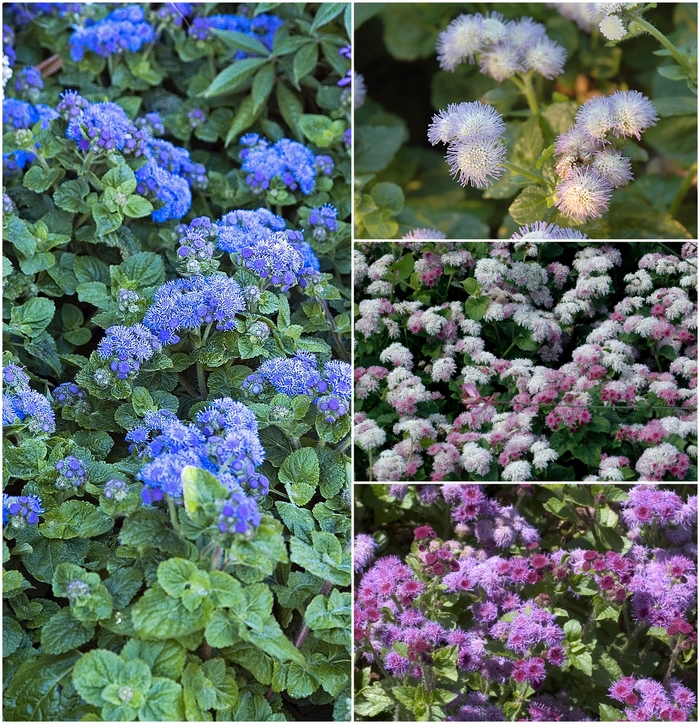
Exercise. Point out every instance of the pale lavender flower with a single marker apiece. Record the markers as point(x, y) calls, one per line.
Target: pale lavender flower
point(583, 195)
point(612, 27)
point(547, 58)
point(423, 234)
point(475, 162)
point(364, 550)
point(466, 122)
point(460, 41)
point(596, 117)
point(501, 62)
point(614, 167)
point(632, 113)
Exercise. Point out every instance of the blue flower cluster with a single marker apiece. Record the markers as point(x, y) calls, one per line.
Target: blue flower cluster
point(115, 489)
point(72, 473)
point(124, 29)
point(196, 252)
point(174, 13)
point(242, 228)
point(125, 348)
point(29, 83)
point(290, 163)
point(8, 45)
point(223, 440)
point(323, 221)
point(21, 114)
point(188, 303)
point(262, 28)
point(168, 175)
point(68, 394)
point(274, 260)
point(23, 405)
point(299, 375)
point(19, 510)
point(24, 13)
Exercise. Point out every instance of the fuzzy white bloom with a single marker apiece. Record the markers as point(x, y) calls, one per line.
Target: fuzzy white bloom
point(612, 27)
point(389, 467)
point(607, 330)
point(656, 459)
point(475, 459)
point(432, 322)
point(542, 454)
point(407, 307)
point(443, 369)
point(368, 435)
point(392, 328)
point(380, 288)
point(692, 450)
point(484, 358)
point(471, 345)
point(685, 367)
point(682, 428)
point(495, 312)
point(490, 273)
point(416, 428)
point(470, 327)
point(518, 470)
point(380, 267)
point(359, 266)
point(639, 282)
point(398, 355)
point(519, 368)
point(474, 374)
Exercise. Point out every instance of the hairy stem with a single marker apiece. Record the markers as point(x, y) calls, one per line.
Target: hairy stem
point(523, 172)
point(683, 190)
point(652, 30)
point(530, 95)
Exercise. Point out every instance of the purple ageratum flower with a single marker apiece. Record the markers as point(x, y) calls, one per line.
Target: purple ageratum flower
point(241, 228)
point(290, 376)
point(71, 105)
point(188, 303)
point(21, 510)
point(501, 62)
point(613, 167)
point(175, 13)
point(225, 415)
point(14, 379)
point(546, 57)
point(101, 126)
point(337, 382)
point(632, 113)
point(31, 409)
point(72, 473)
point(274, 260)
point(289, 161)
point(68, 394)
point(423, 234)
point(29, 81)
point(239, 515)
point(152, 122)
point(262, 28)
point(158, 184)
point(364, 550)
point(583, 195)
point(543, 230)
point(18, 114)
point(196, 117)
point(124, 29)
point(595, 117)
point(466, 122)
point(163, 476)
point(126, 348)
point(460, 41)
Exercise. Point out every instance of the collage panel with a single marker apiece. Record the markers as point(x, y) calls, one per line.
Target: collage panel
point(530, 602)
point(525, 361)
point(177, 378)
point(525, 120)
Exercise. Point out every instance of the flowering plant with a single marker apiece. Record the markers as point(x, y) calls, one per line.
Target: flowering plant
point(176, 384)
point(549, 361)
point(550, 115)
point(535, 603)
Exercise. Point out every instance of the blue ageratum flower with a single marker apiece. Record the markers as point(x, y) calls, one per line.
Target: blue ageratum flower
point(240, 228)
point(336, 387)
point(289, 162)
point(72, 473)
point(125, 348)
point(101, 126)
point(239, 514)
point(274, 260)
point(290, 376)
point(23, 405)
point(20, 510)
point(124, 29)
point(186, 304)
point(173, 191)
point(224, 415)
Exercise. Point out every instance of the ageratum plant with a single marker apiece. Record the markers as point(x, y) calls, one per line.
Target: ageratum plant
point(526, 360)
point(528, 603)
point(176, 384)
point(556, 113)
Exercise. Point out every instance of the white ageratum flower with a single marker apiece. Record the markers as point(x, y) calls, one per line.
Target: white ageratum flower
point(542, 454)
point(517, 471)
point(443, 369)
point(476, 459)
point(612, 27)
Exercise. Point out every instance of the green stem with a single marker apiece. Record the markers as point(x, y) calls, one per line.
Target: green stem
point(652, 30)
point(522, 172)
point(671, 663)
point(207, 329)
point(173, 515)
point(212, 66)
point(530, 95)
point(217, 558)
point(87, 162)
point(683, 190)
point(202, 381)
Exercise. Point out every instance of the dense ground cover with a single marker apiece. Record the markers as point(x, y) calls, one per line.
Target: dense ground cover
point(176, 385)
point(525, 603)
point(502, 85)
point(526, 360)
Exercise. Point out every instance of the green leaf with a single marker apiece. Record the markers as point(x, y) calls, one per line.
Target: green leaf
point(120, 177)
point(94, 671)
point(529, 206)
point(107, 221)
point(136, 207)
point(389, 197)
point(241, 41)
point(373, 700)
point(328, 613)
point(164, 658)
point(32, 317)
point(376, 146)
point(610, 713)
point(300, 682)
point(291, 108)
point(75, 519)
point(234, 76)
point(475, 307)
point(263, 83)
point(672, 72)
point(33, 691)
point(300, 475)
point(227, 591)
point(582, 661)
point(305, 61)
point(324, 559)
point(321, 130)
point(38, 179)
point(46, 554)
point(70, 195)
point(12, 635)
point(156, 615)
point(142, 401)
point(95, 293)
point(243, 119)
point(326, 13)
point(201, 490)
point(299, 521)
point(62, 633)
point(272, 641)
point(163, 701)
point(16, 231)
point(255, 559)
